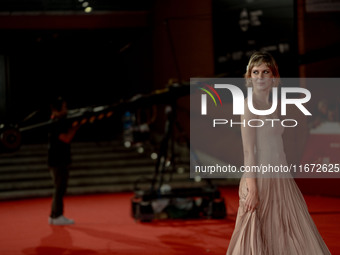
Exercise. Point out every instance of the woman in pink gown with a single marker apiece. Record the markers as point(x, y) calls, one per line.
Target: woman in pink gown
point(272, 218)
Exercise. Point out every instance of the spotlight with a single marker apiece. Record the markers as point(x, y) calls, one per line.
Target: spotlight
point(92, 119)
point(154, 155)
point(101, 116)
point(88, 9)
point(140, 149)
point(198, 178)
point(127, 144)
point(109, 114)
point(85, 4)
point(180, 170)
point(165, 189)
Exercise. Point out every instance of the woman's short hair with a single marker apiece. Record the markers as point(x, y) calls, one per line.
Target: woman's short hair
point(258, 58)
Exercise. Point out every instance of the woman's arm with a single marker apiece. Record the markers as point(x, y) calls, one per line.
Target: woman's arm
point(249, 142)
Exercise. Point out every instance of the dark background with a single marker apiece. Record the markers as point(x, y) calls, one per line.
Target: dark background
point(242, 26)
point(125, 48)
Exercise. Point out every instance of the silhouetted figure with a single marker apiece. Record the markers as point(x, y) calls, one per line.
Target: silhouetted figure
point(61, 134)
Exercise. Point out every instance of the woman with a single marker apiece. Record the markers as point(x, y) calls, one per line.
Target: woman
point(272, 218)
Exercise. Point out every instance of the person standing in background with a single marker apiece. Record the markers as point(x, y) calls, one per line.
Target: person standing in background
point(61, 134)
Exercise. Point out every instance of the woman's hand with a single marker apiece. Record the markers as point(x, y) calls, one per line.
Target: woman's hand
point(252, 200)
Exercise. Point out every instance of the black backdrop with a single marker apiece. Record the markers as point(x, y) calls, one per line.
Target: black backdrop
point(88, 67)
point(242, 26)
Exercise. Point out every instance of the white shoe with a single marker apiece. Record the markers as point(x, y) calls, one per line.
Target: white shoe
point(61, 220)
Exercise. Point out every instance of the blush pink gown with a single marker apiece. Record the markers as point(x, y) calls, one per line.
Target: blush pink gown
point(281, 224)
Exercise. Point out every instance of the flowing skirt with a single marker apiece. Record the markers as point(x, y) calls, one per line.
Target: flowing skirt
point(280, 225)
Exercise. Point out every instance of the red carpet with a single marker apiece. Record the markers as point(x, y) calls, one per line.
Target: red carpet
point(104, 226)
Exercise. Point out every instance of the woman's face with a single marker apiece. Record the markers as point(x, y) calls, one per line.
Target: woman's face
point(262, 77)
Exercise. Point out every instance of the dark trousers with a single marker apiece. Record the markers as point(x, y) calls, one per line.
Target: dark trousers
point(60, 179)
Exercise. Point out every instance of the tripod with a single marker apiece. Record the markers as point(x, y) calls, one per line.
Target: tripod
point(167, 148)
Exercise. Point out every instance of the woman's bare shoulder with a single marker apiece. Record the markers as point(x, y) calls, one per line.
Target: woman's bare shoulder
point(247, 113)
